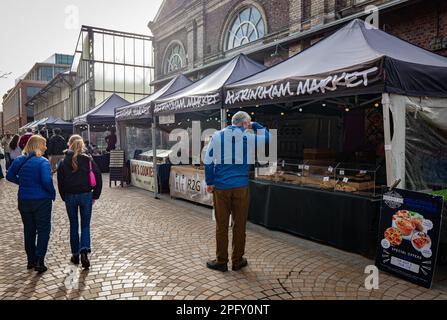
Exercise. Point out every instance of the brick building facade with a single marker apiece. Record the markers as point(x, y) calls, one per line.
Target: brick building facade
point(196, 33)
point(16, 113)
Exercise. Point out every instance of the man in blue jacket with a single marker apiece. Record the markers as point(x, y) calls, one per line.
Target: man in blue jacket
point(227, 161)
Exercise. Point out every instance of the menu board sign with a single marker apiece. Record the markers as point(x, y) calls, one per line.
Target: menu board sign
point(409, 232)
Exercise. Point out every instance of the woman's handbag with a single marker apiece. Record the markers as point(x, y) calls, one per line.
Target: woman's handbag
point(92, 176)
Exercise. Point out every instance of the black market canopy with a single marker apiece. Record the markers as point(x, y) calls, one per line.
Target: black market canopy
point(207, 92)
point(142, 109)
point(103, 114)
point(357, 59)
point(53, 123)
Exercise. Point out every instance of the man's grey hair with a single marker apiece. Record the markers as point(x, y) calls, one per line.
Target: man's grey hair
point(240, 117)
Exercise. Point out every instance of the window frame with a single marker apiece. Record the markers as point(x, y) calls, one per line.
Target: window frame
point(236, 25)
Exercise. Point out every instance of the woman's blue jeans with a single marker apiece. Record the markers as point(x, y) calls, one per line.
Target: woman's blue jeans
point(79, 203)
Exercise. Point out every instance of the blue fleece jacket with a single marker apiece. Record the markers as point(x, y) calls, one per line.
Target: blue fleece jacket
point(34, 179)
point(228, 156)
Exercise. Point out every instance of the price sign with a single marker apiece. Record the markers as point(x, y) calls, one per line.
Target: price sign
point(326, 179)
point(330, 169)
point(342, 172)
point(345, 180)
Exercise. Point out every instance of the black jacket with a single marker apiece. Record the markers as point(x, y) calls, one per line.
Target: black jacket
point(56, 146)
point(79, 181)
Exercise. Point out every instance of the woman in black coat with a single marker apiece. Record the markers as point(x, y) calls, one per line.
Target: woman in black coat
point(79, 194)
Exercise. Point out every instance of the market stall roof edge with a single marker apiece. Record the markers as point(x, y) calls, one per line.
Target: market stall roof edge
point(206, 93)
point(338, 63)
point(103, 113)
point(142, 109)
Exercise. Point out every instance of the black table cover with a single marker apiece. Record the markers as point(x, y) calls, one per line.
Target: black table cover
point(103, 162)
point(346, 221)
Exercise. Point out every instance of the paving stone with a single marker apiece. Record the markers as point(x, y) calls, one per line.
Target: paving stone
point(157, 249)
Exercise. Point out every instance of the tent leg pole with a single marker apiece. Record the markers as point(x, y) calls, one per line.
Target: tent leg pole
point(154, 150)
point(88, 134)
point(118, 135)
point(387, 133)
point(223, 118)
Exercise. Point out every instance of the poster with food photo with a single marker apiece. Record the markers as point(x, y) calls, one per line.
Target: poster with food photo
point(409, 232)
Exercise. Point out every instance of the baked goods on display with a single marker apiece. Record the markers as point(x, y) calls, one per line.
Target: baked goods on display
point(410, 226)
point(421, 241)
point(393, 236)
point(406, 227)
point(345, 187)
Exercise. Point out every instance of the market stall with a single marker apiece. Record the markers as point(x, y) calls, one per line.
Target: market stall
point(200, 102)
point(337, 141)
point(51, 123)
point(32, 125)
point(97, 123)
point(134, 123)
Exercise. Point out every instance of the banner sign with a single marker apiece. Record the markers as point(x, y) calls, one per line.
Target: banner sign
point(142, 175)
point(168, 119)
point(296, 87)
point(193, 102)
point(134, 112)
point(409, 233)
point(189, 183)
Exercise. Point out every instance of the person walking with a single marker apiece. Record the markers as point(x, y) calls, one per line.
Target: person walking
point(14, 150)
point(79, 192)
point(5, 144)
point(24, 139)
point(36, 192)
point(89, 147)
point(227, 178)
point(43, 133)
point(56, 148)
point(2, 156)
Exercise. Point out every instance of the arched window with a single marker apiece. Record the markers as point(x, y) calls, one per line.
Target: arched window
point(175, 58)
point(247, 26)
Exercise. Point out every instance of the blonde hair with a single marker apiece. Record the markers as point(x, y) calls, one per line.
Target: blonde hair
point(36, 144)
point(76, 144)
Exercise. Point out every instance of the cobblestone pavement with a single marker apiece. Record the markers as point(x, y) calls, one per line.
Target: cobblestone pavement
point(157, 249)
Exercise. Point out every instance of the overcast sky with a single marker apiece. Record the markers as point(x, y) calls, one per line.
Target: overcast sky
point(32, 30)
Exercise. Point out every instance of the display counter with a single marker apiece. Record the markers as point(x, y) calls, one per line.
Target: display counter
point(346, 221)
point(188, 183)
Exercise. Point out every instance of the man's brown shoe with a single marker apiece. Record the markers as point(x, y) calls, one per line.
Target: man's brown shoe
point(241, 265)
point(223, 267)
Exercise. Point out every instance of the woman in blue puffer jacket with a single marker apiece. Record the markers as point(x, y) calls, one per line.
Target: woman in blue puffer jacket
point(36, 192)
